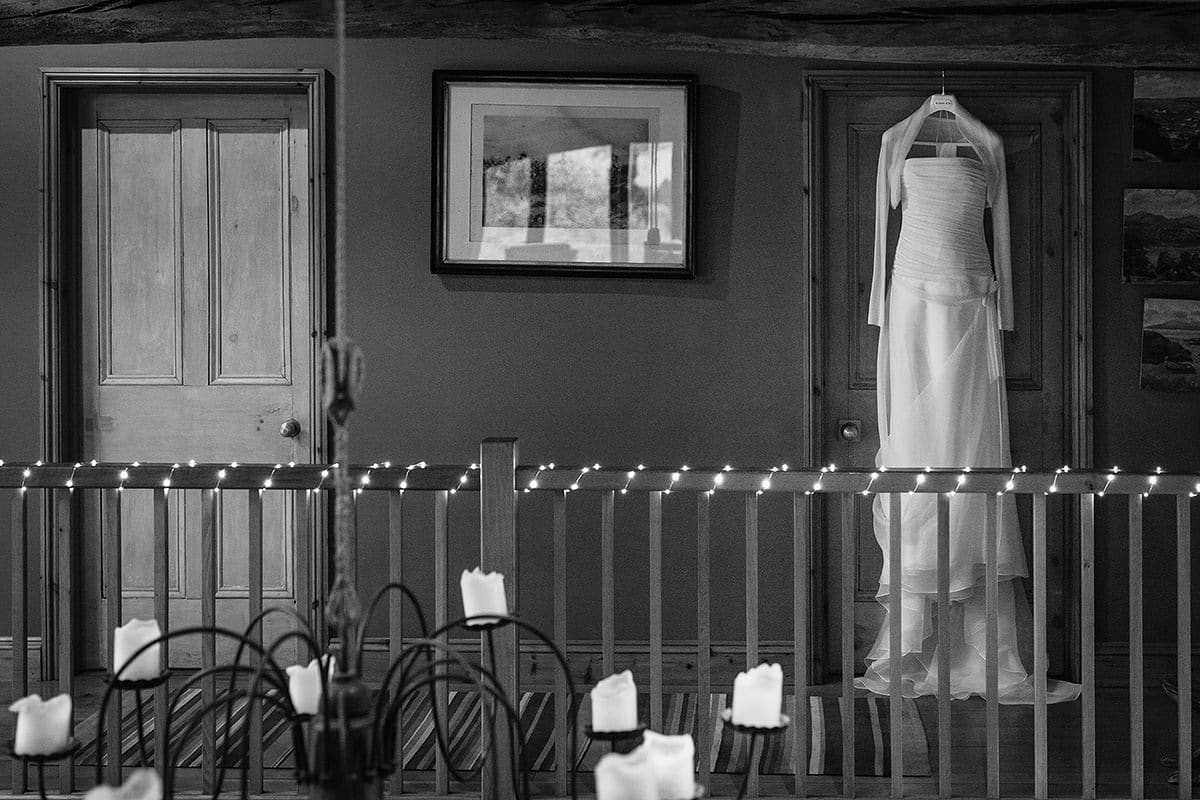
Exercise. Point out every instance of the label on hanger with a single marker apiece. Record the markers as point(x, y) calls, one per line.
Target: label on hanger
point(941, 102)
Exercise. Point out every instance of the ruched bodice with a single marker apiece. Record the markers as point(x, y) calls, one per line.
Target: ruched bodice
point(943, 201)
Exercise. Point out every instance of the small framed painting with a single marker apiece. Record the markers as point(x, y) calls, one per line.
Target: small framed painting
point(1171, 344)
point(1166, 116)
point(1162, 236)
point(543, 174)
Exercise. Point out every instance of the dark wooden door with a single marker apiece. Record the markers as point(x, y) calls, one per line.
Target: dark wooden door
point(851, 115)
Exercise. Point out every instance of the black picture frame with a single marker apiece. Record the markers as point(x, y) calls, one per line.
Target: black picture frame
point(481, 116)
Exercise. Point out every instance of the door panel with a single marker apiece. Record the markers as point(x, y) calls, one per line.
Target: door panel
point(852, 121)
point(196, 327)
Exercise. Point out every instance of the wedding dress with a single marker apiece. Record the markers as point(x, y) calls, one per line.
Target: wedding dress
point(941, 400)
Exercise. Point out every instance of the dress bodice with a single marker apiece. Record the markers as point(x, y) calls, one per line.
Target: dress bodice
point(943, 200)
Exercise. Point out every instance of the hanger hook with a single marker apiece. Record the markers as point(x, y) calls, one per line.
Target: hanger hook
point(943, 81)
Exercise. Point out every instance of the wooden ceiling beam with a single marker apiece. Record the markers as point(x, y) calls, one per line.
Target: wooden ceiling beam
point(1098, 32)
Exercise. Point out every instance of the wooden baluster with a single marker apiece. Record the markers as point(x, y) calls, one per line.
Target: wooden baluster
point(945, 742)
point(498, 550)
point(162, 694)
point(800, 591)
point(704, 724)
point(441, 615)
point(1137, 711)
point(895, 639)
point(752, 613)
point(1041, 764)
point(1183, 639)
point(992, 504)
point(1087, 641)
point(849, 549)
point(112, 580)
point(66, 519)
point(396, 614)
point(608, 636)
point(254, 547)
point(209, 510)
point(20, 619)
point(563, 757)
point(302, 535)
point(656, 622)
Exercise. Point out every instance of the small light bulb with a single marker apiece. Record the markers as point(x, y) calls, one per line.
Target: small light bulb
point(595, 466)
point(533, 484)
point(921, 478)
point(586, 470)
point(166, 482)
point(27, 472)
point(674, 477)
point(92, 462)
point(685, 468)
point(541, 467)
point(551, 465)
point(70, 483)
point(961, 479)
point(267, 483)
point(221, 474)
point(624, 491)
point(641, 466)
point(403, 484)
point(1153, 480)
point(574, 487)
point(817, 486)
point(766, 483)
point(124, 475)
point(874, 475)
point(366, 479)
point(720, 479)
point(462, 478)
point(324, 473)
point(174, 466)
point(727, 467)
point(191, 462)
point(231, 463)
point(136, 464)
point(291, 463)
point(630, 474)
point(1053, 488)
point(1008, 487)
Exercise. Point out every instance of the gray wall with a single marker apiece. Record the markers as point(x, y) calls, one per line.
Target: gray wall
point(705, 371)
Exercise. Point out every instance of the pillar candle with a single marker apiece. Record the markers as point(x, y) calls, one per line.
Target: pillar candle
point(673, 760)
point(614, 703)
point(126, 641)
point(758, 697)
point(43, 726)
point(483, 593)
point(626, 776)
point(304, 686)
point(142, 784)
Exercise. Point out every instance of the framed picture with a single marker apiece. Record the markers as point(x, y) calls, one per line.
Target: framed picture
point(1171, 345)
point(1166, 116)
point(543, 174)
point(1162, 236)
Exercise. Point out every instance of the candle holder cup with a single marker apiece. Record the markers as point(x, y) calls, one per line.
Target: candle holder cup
point(40, 761)
point(755, 733)
point(615, 736)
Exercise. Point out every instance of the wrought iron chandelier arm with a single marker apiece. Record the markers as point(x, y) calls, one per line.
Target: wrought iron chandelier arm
point(378, 597)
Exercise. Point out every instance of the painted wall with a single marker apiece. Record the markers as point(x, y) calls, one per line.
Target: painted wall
point(706, 371)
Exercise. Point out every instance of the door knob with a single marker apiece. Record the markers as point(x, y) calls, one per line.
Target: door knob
point(850, 430)
point(290, 429)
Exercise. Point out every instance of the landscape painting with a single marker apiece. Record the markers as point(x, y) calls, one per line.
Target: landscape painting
point(1162, 236)
point(1171, 345)
point(1166, 116)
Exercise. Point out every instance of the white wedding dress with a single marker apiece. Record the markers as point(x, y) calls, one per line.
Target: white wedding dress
point(942, 403)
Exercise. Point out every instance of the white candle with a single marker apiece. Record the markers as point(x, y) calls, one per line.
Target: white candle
point(626, 776)
point(483, 593)
point(142, 784)
point(614, 703)
point(758, 697)
point(673, 760)
point(43, 726)
point(304, 686)
point(126, 641)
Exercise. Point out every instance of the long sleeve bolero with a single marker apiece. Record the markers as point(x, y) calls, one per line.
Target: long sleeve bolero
point(897, 141)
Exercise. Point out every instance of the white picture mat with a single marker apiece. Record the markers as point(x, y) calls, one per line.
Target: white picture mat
point(664, 107)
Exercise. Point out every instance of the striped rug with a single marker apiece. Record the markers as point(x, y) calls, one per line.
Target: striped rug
point(728, 752)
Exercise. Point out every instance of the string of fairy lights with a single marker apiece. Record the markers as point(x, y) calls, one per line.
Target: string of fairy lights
point(549, 476)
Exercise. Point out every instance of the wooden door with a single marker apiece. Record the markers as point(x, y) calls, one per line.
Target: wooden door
point(850, 118)
point(196, 328)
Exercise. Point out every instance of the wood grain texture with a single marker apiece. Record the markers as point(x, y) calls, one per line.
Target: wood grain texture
point(1137, 677)
point(66, 521)
point(849, 542)
point(395, 611)
point(800, 634)
point(992, 642)
point(561, 698)
point(162, 542)
point(1041, 764)
point(945, 741)
point(656, 610)
point(1183, 615)
point(208, 641)
point(441, 611)
point(1048, 31)
point(19, 554)
point(895, 639)
point(254, 548)
point(703, 635)
point(498, 552)
point(607, 597)
point(1087, 644)
point(752, 615)
point(112, 585)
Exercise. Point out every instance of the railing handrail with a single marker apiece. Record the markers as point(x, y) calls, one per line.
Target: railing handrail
point(465, 477)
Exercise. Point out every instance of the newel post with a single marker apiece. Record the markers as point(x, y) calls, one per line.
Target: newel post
point(498, 552)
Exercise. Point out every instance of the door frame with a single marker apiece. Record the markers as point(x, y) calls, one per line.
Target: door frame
point(60, 408)
point(1075, 88)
